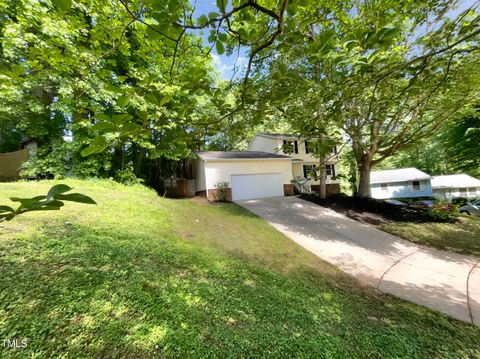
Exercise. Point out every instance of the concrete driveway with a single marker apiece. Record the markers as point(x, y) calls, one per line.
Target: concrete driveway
point(447, 282)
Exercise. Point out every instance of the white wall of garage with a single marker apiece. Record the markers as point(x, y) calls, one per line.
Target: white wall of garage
point(222, 171)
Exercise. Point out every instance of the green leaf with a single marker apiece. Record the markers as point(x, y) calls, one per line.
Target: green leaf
point(103, 127)
point(99, 141)
point(6, 209)
point(123, 101)
point(50, 206)
point(131, 127)
point(152, 98)
point(223, 37)
point(75, 197)
point(98, 145)
point(28, 202)
point(154, 32)
point(121, 118)
point(219, 47)
point(143, 115)
point(165, 99)
point(221, 5)
point(57, 189)
point(91, 150)
point(202, 20)
point(213, 15)
point(103, 117)
point(113, 88)
point(6, 217)
point(212, 36)
point(63, 4)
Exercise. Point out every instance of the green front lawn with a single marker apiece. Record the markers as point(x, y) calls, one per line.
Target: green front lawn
point(462, 237)
point(139, 276)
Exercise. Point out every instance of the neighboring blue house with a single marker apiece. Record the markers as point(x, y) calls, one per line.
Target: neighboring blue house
point(400, 183)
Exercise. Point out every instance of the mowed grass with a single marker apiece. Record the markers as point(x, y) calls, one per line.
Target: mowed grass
point(139, 276)
point(462, 237)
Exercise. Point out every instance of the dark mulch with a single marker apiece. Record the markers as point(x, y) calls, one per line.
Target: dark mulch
point(373, 211)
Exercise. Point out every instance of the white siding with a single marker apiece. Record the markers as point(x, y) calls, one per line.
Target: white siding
point(401, 190)
point(307, 157)
point(264, 144)
point(199, 173)
point(449, 193)
point(274, 145)
point(221, 171)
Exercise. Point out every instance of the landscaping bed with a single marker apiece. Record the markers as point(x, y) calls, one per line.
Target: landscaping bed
point(373, 211)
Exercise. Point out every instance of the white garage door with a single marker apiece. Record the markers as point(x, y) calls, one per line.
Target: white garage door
point(256, 186)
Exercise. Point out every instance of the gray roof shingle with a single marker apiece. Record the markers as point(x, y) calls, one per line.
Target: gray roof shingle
point(224, 155)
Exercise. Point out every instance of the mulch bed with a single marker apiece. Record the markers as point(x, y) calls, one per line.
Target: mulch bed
point(372, 211)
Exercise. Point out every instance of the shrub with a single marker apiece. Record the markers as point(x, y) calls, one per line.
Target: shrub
point(222, 193)
point(444, 210)
point(127, 177)
point(50, 161)
point(460, 201)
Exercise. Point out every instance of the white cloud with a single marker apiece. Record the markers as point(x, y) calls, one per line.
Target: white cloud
point(225, 66)
point(223, 69)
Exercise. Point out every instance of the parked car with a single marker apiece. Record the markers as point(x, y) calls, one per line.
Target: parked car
point(471, 208)
point(422, 204)
point(395, 202)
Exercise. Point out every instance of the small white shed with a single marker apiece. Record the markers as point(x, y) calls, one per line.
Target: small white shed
point(242, 175)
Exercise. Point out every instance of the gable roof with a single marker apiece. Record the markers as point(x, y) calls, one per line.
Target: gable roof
point(455, 181)
point(237, 155)
point(398, 175)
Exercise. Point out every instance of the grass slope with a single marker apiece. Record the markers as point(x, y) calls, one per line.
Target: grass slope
point(139, 276)
point(462, 237)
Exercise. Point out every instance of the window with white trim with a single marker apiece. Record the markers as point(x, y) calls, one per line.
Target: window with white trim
point(416, 185)
point(384, 186)
point(330, 170)
point(463, 191)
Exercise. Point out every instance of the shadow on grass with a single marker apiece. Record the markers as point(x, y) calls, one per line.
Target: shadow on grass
point(81, 293)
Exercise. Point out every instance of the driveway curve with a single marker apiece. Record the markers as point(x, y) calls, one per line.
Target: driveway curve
point(443, 281)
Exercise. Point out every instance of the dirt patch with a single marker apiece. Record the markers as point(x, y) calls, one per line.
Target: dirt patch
point(373, 211)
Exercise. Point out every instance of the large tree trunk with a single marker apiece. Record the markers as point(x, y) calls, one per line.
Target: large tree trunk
point(364, 189)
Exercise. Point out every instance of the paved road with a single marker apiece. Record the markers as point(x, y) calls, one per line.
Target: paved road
point(447, 282)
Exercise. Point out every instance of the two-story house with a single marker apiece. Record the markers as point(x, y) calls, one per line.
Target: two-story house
point(303, 160)
point(265, 170)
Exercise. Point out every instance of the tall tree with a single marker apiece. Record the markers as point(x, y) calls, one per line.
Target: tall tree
point(386, 88)
point(461, 141)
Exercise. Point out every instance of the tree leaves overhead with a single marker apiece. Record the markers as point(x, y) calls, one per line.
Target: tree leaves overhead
point(63, 4)
point(377, 73)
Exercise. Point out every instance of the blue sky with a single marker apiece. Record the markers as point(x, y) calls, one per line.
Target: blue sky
point(225, 64)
